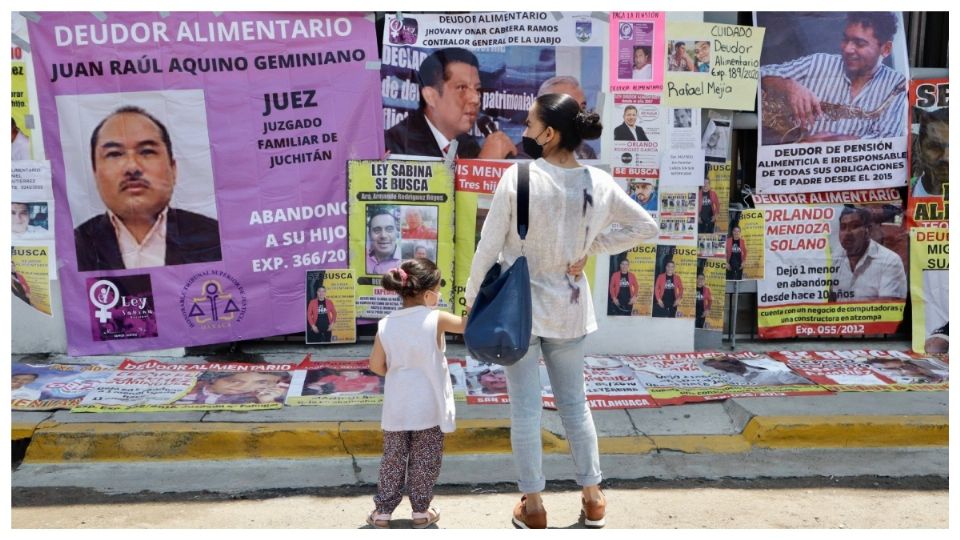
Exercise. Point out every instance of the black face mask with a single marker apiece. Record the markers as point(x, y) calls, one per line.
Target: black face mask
point(531, 147)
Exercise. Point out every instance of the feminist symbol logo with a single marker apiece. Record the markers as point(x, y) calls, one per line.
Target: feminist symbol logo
point(626, 30)
point(104, 295)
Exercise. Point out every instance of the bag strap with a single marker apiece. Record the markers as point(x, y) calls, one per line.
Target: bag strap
point(523, 199)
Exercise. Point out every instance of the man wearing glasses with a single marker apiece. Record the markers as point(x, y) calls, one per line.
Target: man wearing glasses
point(449, 106)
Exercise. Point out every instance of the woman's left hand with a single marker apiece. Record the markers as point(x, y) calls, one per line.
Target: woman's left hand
point(576, 269)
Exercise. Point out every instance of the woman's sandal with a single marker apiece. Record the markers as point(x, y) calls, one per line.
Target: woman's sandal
point(422, 520)
point(378, 521)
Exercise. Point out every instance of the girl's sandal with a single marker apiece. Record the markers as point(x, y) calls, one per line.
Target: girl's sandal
point(422, 520)
point(378, 521)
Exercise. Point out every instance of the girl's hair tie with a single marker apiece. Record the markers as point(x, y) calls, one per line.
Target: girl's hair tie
point(402, 275)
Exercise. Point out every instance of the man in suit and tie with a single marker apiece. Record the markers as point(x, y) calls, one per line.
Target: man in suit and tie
point(449, 107)
point(629, 130)
point(135, 173)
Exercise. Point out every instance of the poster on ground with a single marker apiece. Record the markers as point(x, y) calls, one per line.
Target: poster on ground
point(712, 65)
point(930, 289)
point(486, 383)
point(673, 379)
point(335, 383)
point(610, 384)
point(868, 370)
point(331, 312)
point(833, 101)
point(158, 386)
point(46, 387)
point(928, 203)
point(247, 119)
point(835, 264)
point(398, 210)
point(501, 62)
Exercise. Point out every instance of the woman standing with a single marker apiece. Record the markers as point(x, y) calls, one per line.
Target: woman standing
point(571, 209)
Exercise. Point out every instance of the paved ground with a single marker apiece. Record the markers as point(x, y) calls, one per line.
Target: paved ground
point(789, 503)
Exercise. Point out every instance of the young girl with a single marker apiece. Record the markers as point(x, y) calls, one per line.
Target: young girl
point(418, 405)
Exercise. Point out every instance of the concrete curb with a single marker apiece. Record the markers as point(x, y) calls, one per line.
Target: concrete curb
point(56, 442)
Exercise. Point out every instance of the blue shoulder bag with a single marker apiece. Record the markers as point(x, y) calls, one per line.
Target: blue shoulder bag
point(500, 323)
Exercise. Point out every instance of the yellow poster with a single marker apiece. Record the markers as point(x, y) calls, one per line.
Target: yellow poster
point(710, 293)
point(929, 288)
point(398, 210)
point(752, 230)
point(712, 65)
point(30, 276)
point(720, 176)
point(19, 111)
point(331, 307)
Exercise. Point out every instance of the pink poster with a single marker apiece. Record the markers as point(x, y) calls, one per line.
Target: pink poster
point(637, 51)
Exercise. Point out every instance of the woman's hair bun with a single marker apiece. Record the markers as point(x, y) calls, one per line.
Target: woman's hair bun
point(588, 125)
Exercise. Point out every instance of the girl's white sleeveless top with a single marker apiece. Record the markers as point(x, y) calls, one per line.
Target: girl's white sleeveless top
point(417, 393)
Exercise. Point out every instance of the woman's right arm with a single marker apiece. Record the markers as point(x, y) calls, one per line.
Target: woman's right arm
point(636, 226)
point(493, 235)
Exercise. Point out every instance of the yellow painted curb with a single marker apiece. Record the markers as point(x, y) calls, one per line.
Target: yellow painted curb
point(169, 441)
point(161, 441)
point(20, 431)
point(847, 431)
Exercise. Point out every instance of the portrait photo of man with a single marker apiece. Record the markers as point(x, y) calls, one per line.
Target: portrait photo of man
point(450, 98)
point(629, 130)
point(839, 94)
point(383, 236)
point(867, 270)
point(931, 154)
point(29, 220)
point(136, 171)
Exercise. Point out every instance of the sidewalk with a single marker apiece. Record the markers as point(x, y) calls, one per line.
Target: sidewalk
point(848, 434)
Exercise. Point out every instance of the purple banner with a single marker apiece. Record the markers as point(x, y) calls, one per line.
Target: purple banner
point(199, 167)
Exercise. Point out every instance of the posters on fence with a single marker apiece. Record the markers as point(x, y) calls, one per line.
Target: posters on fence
point(928, 202)
point(610, 384)
point(653, 281)
point(833, 101)
point(398, 210)
point(930, 289)
point(868, 370)
point(496, 65)
point(712, 65)
point(673, 379)
point(330, 309)
point(836, 264)
point(159, 386)
point(45, 387)
point(637, 51)
point(243, 112)
point(335, 383)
